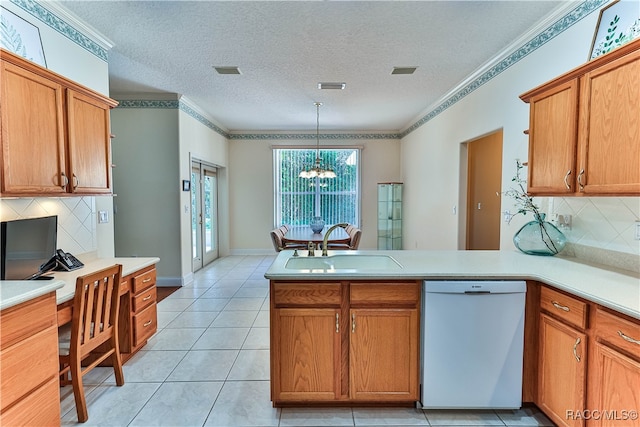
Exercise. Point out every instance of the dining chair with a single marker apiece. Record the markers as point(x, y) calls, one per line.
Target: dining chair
point(354, 240)
point(93, 328)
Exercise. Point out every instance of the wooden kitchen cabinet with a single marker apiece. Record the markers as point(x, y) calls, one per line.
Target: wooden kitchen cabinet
point(584, 132)
point(337, 341)
point(614, 371)
point(55, 133)
point(138, 319)
point(562, 357)
point(29, 363)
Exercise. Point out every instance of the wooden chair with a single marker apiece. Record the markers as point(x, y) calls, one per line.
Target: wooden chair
point(279, 242)
point(94, 324)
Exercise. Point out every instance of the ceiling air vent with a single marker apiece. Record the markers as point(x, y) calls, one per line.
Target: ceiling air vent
point(227, 70)
point(332, 85)
point(403, 70)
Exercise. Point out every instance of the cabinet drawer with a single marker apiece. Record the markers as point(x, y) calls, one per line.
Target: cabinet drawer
point(26, 319)
point(383, 294)
point(27, 364)
point(564, 307)
point(145, 324)
point(125, 286)
point(307, 295)
point(47, 401)
point(144, 280)
point(144, 299)
point(619, 332)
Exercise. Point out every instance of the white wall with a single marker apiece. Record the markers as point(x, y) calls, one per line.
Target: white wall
point(202, 143)
point(72, 61)
point(147, 183)
point(431, 156)
point(251, 187)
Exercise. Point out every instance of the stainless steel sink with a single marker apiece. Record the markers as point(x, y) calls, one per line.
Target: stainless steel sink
point(344, 262)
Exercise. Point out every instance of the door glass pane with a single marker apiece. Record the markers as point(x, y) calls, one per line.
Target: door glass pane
point(195, 213)
point(208, 211)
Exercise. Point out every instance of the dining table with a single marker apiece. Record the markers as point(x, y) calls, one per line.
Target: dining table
point(304, 235)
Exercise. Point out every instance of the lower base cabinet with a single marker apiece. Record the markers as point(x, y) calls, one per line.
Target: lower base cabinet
point(562, 372)
point(344, 342)
point(588, 367)
point(29, 385)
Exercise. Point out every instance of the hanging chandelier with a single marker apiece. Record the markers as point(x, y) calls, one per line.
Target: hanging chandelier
point(317, 170)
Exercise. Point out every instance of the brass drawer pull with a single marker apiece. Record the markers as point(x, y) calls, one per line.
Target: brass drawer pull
point(566, 182)
point(147, 280)
point(147, 323)
point(337, 323)
point(628, 338)
point(559, 306)
point(147, 298)
point(575, 348)
point(580, 180)
point(353, 322)
point(66, 180)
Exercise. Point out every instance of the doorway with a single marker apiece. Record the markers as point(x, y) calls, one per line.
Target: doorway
point(204, 214)
point(484, 178)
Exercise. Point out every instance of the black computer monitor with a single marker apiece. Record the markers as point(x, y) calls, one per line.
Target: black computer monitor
point(27, 247)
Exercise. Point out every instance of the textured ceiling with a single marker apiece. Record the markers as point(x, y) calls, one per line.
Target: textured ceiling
point(283, 49)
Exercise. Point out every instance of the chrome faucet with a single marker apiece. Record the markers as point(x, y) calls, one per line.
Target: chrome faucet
point(326, 237)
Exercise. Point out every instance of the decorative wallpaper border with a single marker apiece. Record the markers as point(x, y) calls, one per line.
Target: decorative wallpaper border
point(312, 136)
point(577, 14)
point(551, 32)
point(58, 24)
point(143, 103)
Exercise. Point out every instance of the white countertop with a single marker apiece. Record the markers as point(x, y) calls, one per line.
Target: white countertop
point(616, 289)
point(64, 283)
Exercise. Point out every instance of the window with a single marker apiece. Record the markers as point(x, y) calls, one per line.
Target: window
point(336, 200)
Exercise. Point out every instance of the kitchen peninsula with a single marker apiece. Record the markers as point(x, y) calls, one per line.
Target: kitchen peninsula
point(318, 306)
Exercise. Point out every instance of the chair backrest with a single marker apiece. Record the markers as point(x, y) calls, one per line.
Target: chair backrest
point(95, 308)
point(276, 239)
point(355, 238)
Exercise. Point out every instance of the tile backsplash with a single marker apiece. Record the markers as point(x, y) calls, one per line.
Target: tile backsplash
point(77, 218)
point(602, 229)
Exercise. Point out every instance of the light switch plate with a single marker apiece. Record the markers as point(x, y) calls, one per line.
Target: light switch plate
point(103, 217)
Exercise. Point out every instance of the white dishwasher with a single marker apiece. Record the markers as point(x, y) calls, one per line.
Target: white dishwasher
point(472, 341)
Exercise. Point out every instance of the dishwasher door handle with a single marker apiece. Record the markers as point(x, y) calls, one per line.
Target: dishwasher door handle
point(477, 292)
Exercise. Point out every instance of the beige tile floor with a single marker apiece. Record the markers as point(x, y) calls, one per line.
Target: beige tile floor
point(208, 365)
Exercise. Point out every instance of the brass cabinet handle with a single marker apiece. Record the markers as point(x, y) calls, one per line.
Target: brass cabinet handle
point(66, 180)
point(575, 350)
point(148, 323)
point(337, 323)
point(628, 338)
point(560, 307)
point(147, 280)
point(566, 180)
point(76, 180)
point(147, 298)
point(580, 179)
point(353, 322)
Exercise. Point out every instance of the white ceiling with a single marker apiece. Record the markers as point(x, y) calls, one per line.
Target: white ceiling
point(283, 49)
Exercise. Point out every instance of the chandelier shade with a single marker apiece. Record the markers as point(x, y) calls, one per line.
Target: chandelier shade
point(317, 170)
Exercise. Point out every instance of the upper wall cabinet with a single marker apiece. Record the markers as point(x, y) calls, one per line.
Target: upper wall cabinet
point(584, 128)
point(55, 133)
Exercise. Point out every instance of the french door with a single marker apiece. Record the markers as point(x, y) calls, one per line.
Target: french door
point(204, 214)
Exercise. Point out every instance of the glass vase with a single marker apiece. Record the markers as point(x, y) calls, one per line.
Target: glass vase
point(540, 237)
point(317, 224)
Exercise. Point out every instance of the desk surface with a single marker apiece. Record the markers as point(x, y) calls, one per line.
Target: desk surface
point(15, 292)
point(303, 234)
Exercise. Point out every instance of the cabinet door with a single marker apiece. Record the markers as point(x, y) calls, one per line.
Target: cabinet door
point(562, 370)
point(89, 144)
point(306, 354)
point(384, 354)
point(610, 128)
point(552, 140)
point(614, 380)
point(33, 155)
